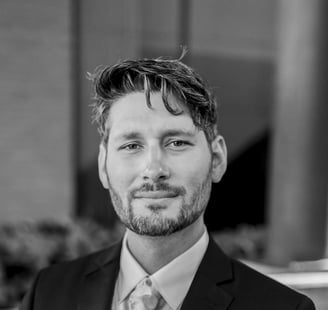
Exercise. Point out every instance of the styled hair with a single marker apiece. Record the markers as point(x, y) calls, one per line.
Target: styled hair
point(167, 76)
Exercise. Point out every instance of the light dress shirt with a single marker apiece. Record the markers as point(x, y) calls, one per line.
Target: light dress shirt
point(172, 280)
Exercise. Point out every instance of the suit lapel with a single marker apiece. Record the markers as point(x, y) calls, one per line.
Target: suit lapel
point(97, 287)
point(206, 291)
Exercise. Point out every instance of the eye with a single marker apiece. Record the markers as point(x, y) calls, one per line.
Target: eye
point(178, 144)
point(130, 147)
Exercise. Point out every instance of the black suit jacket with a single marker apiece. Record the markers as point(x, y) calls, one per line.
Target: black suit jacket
point(220, 283)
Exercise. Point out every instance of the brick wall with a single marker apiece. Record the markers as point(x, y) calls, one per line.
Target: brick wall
point(35, 116)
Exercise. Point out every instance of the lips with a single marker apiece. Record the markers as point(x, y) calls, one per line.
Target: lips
point(155, 194)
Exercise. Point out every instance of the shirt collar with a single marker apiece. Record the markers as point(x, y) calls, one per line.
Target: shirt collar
point(130, 274)
point(172, 280)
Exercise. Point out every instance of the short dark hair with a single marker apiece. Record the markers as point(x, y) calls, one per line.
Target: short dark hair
point(154, 75)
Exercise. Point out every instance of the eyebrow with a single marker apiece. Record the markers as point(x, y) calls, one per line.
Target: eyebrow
point(129, 136)
point(178, 132)
point(133, 135)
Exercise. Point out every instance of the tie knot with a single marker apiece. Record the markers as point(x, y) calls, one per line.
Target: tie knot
point(145, 296)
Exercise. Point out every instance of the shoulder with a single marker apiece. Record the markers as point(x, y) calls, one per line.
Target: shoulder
point(58, 286)
point(82, 265)
point(254, 287)
point(249, 288)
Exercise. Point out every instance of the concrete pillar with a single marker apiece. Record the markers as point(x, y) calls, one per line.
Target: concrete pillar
point(299, 179)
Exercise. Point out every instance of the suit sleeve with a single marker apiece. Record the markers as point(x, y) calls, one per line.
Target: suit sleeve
point(306, 304)
point(29, 298)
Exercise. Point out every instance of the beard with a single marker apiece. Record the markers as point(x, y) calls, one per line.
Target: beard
point(156, 224)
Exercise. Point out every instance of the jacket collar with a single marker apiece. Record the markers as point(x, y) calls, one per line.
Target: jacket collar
point(207, 289)
point(97, 286)
point(105, 257)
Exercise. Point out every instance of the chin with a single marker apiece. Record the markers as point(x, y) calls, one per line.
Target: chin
point(156, 231)
point(159, 224)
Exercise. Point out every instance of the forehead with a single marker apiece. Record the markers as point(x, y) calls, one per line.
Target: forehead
point(132, 113)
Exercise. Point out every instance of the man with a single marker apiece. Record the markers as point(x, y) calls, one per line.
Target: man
point(159, 154)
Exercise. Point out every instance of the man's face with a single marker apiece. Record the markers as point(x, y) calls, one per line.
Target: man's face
point(157, 166)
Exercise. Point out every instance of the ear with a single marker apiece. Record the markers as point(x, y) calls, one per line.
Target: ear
point(219, 158)
point(102, 165)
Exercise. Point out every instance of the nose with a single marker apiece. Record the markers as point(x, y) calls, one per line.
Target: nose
point(155, 168)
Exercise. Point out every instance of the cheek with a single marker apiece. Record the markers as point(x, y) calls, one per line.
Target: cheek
point(194, 171)
point(120, 174)
point(196, 165)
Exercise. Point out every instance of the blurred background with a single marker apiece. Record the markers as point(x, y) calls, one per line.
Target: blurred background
point(267, 63)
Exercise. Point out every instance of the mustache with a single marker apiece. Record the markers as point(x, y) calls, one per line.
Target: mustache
point(155, 187)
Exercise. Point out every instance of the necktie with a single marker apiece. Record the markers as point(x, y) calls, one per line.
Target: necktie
point(145, 297)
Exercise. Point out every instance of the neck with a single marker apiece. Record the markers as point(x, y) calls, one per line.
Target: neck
point(152, 253)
